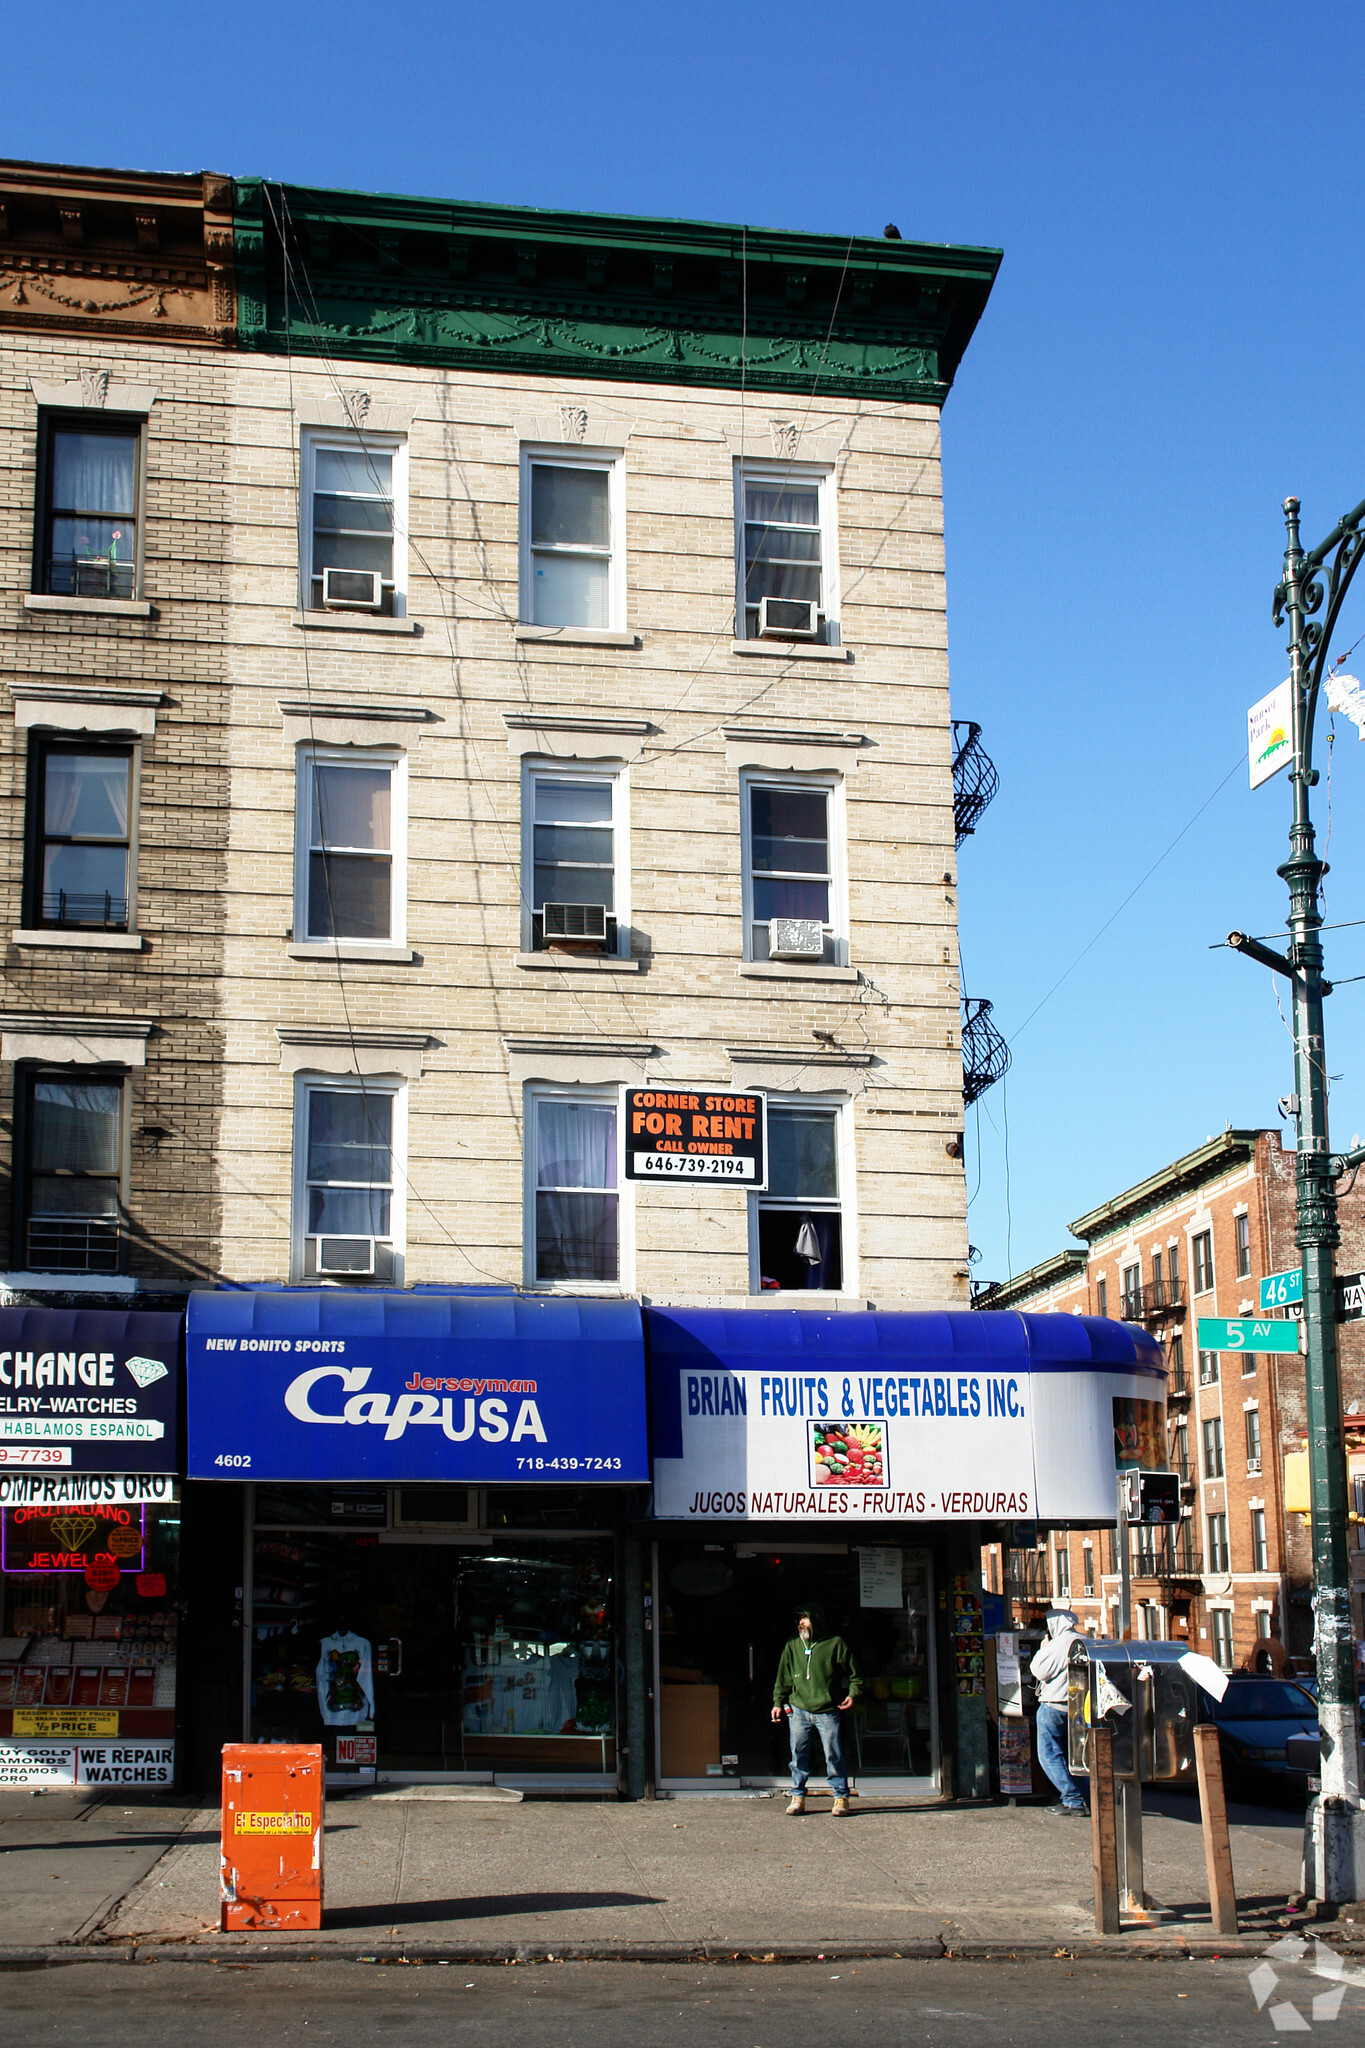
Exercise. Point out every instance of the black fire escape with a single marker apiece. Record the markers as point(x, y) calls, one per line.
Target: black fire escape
point(985, 1055)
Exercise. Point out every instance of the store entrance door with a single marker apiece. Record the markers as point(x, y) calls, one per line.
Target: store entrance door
point(725, 1612)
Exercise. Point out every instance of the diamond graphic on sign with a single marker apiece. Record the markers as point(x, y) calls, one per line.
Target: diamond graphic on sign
point(147, 1371)
point(73, 1531)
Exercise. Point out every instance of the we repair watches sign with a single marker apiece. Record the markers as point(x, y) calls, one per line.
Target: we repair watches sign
point(696, 1133)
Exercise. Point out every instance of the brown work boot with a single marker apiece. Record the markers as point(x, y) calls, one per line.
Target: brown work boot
point(839, 1810)
point(797, 1803)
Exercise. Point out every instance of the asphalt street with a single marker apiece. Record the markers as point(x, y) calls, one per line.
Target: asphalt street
point(180, 2004)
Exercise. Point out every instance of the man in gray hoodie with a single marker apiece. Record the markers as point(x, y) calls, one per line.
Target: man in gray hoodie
point(1049, 1669)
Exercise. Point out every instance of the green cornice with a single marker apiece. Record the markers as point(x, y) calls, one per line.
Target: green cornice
point(1205, 1163)
point(385, 279)
point(1053, 1272)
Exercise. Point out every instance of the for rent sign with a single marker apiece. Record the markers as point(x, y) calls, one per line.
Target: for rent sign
point(696, 1133)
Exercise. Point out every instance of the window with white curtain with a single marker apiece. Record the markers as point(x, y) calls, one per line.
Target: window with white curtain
point(572, 540)
point(81, 823)
point(348, 1205)
point(353, 521)
point(350, 863)
point(87, 541)
point(573, 1204)
point(785, 550)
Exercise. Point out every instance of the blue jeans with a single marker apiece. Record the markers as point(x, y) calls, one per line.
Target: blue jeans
point(803, 1730)
point(1052, 1755)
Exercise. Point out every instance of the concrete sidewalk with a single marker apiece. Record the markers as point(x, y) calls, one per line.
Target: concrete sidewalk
point(474, 1876)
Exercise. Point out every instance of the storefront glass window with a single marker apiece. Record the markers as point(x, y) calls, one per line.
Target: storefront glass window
point(88, 1625)
point(433, 1656)
point(725, 1613)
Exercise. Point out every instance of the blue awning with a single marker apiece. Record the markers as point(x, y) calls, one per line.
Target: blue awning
point(955, 1415)
point(484, 1387)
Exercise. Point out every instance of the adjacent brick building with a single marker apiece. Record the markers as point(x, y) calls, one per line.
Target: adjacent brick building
point(1195, 1240)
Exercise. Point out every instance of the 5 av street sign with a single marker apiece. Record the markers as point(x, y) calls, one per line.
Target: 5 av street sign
point(1243, 1333)
point(1278, 1290)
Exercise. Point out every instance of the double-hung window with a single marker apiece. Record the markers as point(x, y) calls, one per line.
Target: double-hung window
point(1260, 1551)
point(81, 834)
point(1203, 1262)
point(573, 1222)
point(1243, 1240)
point(797, 1226)
point(350, 870)
point(1213, 1448)
point(1218, 1543)
point(574, 825)
point(1132, 1293)
point(1253, 1430)
point(87, 541)
point(786, 554)
point(354, 523)
point(348, 1202)
point(791, 854)
point(71, 1146)
point(1221, 1617)
point(572, 540)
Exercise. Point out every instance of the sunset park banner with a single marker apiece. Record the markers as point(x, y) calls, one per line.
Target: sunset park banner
point(889, 1416)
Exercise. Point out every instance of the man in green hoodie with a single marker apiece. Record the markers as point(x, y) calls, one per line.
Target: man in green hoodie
point(817, 1680)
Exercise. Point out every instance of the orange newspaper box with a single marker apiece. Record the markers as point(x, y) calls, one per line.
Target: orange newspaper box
point(273, 1811)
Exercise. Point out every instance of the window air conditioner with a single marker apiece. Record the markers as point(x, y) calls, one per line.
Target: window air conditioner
point(1253, 1468)
point(350, 1255)
point(575, 921)
point(788, 618)
point(796, 938)
point(352, 590)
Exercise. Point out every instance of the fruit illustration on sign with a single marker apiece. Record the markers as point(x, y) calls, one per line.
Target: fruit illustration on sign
point(848, 1454)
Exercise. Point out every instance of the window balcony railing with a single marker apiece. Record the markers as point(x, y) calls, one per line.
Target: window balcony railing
point(1170, 1554)
point(1151, 1303)
point(62, 906)
point(1028, 1575)
point(73, 1244)
point(88, 576)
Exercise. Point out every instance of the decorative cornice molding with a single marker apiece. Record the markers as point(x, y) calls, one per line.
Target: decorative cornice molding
point(98, 252)
point(337, 1049)
point(792, 735)
point(796, 1056)
point(96, 391)
point(74, 1040)
point(85, 707)
point(592, 296)
point(567, 1043)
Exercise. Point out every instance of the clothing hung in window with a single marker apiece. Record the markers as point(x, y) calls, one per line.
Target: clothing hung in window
point(345, 1681)
point(523, 1690)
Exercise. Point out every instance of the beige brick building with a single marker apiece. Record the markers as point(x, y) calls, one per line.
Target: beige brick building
point(413, 630)
point(1192, 1241)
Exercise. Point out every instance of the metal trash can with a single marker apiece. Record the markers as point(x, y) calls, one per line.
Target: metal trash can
point(274, 1804)
point(1147, 1695)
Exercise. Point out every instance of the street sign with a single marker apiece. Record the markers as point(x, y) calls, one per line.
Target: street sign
point(1241, 1333)
point(1279, 1289)
point(1350, 1297)
point(1270, 735)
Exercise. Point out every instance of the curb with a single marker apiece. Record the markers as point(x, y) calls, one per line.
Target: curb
point(1208, 1949)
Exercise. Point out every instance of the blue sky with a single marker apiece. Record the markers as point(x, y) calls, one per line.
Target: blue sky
point(1173, 347)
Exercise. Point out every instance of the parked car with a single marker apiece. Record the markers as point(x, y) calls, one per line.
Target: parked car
point(1255, 1718)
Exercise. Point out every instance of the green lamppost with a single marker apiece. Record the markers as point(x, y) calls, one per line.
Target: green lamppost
point(1310, 596)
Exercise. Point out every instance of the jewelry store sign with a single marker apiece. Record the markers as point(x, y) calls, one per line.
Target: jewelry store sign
point(86, 1763)
point(696, 1133)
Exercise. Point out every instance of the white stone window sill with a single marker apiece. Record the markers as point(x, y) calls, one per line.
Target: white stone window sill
point(96, 607)
point(578, 636)
point(580, 963)
point(347, 949)
point(796, 970)
point(90, 942)
point(792, 650)
point(355, 622)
